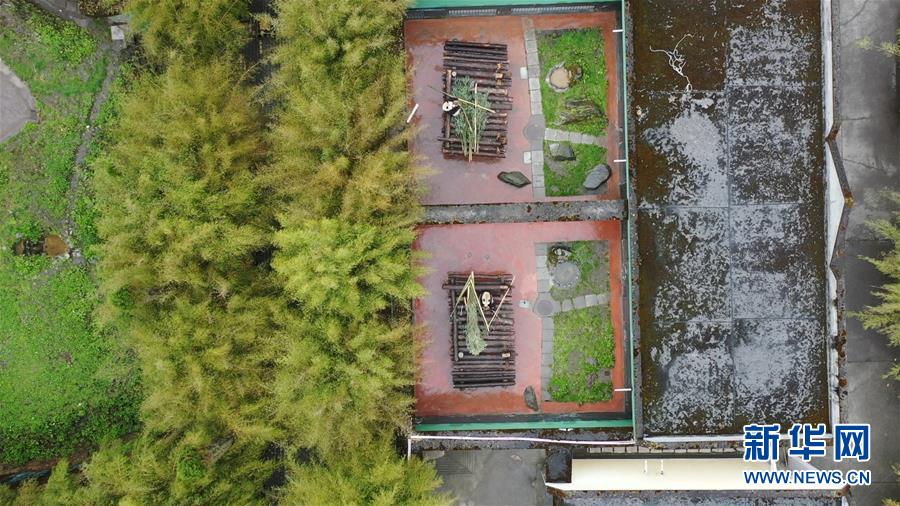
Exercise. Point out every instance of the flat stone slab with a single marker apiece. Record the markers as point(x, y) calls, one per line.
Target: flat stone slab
point(17, 106)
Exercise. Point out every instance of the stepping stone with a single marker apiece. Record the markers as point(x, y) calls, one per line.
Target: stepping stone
point(567, 305)
point(514, 178)
point(544, 307)
point(596, 177)
point(561, 152)
point(566, 274)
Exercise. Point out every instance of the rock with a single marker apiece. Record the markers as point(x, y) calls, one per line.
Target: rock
point(514, 178)
point(55, 246)
point(575, 73)
point(578, 109)
point(596, 177)
point(432, 454)
point(561, 151)
point(531, 399)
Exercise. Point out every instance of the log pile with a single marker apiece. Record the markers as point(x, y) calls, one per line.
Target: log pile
point(496, 365)
point(488, 66)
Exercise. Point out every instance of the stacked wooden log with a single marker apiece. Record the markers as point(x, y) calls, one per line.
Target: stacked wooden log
point(487, 65)
point(496, 364)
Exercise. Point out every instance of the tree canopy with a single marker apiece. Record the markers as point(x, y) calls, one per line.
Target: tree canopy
point(261, 266)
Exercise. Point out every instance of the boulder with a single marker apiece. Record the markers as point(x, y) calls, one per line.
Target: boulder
point(514, 178)
point(596, 177)
point(561, 152)
point(531, 399)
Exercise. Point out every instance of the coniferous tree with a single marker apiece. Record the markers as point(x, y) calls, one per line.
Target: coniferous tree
point(196, 29)
point(183, 218)
point(885, 317)
point(377, 477)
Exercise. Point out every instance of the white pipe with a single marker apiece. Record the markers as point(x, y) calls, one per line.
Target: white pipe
point(413, 113)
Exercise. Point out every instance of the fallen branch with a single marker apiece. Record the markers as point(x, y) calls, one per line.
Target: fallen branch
point(677, 61)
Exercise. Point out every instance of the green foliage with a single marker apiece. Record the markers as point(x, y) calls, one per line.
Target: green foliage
point(347, 200)
point(887, 48)
point(193, 29)
point(583, 346)
point(345, 269)
point(375, 477)
point(592, 259)
point(885, 317)
point(339, 138)
point(566, 178)
point(101, 8)
point(584, 48)
point(340, 386)
point(52, 364)
point(85, 212)
point(472, 117)
point(36, 164)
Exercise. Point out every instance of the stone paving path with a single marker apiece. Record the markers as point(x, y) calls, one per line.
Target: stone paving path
point(17, 106)
point(552, 134)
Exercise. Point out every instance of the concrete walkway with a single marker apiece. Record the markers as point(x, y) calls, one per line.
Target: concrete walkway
point(871, 153)
point(17, 106)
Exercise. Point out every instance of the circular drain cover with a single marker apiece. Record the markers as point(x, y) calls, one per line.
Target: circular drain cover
point(544, 307)
point(566, 275)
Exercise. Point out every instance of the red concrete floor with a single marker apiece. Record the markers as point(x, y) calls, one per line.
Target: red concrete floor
point(463, 248)
point(453, 180)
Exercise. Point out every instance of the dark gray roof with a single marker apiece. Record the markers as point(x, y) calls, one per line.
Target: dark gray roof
point(731, 229)
point(710, 498)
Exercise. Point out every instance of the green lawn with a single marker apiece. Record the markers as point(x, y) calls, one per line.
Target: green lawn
point(583, 346)
point(582, 47)
point(570, 179)
point(62, 381)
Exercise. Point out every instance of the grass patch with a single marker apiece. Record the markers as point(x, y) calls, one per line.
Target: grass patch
point(582, 47)
point(63, 383)
point(592, 259)
point(568, 178)
point(583, 346)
